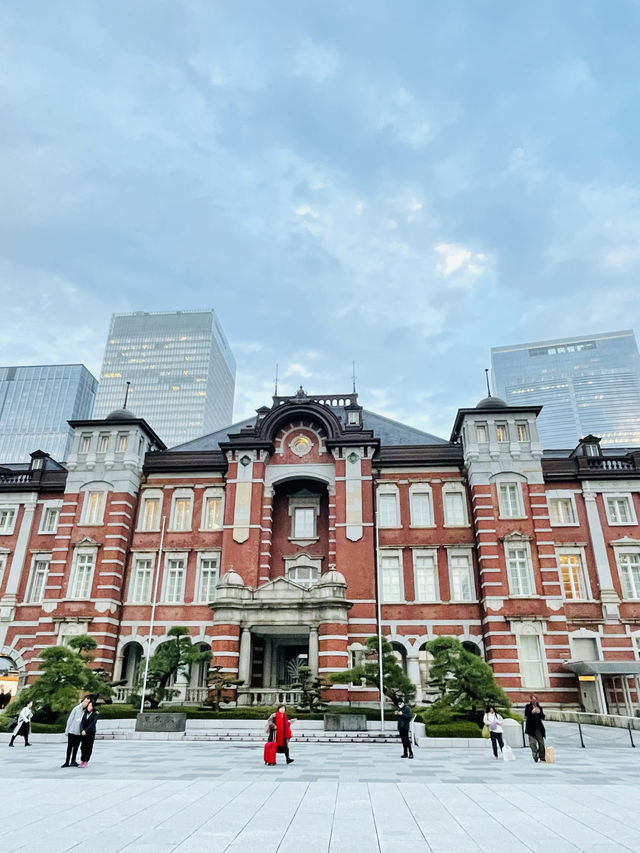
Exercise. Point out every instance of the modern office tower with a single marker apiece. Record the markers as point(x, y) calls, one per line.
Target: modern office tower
point(180, 367)
point(586, 385)
point(35, 405)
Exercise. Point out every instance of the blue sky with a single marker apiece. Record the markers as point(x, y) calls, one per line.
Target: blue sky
point(403, 184)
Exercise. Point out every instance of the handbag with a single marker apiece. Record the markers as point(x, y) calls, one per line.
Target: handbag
point(12, 724)
point(485, 730)
point(507, 753)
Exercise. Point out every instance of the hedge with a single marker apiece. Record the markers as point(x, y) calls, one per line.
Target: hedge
point(461, 728)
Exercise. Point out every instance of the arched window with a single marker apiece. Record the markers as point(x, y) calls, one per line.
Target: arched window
point(401, 655)
point(472, 647)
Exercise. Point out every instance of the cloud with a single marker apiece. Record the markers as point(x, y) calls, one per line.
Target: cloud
point(314, 61)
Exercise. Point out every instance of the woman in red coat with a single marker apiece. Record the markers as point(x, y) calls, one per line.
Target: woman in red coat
point(280, 723)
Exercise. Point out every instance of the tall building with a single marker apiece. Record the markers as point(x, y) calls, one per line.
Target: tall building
point(181, 369)
point(589, 385)
point(35, 405)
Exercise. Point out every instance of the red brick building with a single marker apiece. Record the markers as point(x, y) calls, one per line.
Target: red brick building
point(264, 540)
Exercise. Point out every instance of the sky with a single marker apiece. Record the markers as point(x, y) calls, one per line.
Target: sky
point(402, 184)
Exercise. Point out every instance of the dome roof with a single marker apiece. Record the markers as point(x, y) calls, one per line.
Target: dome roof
point(491, 403)
point(121, 415)
point(331, 577)
point(231, 578)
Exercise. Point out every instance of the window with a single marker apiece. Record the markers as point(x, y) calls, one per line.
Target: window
point(85, 444)
point(388, 510)
point(481, 433)
point(7, 519)
point(3, 565)
point(305, 575)
point(519, 570)
point(140, 589)
point(82, 574)
point(592, 449)
point(502, 433)
point(150, 513)
point(37, 578)
point(181, 511)
point(49, 519)
point(455, 510)
point(561, 511)
point(509, 497)
point(460, 577)
point(522, 431)
point(123, 441)
point(629, 570)
point(585, 648)
point(391, 577)
point(174, 580)
point(421, 511)
point(572, 576)
point(619, 510)
point(304, 522)
point(212, 511)
point(94, 507)
point(209, 568)
point(103, 443)
point(353, 418)
point(532, 670)
point(425, 576)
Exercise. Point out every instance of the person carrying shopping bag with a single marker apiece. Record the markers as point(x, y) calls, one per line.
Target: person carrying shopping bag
point(23, 725)
point(493, 721)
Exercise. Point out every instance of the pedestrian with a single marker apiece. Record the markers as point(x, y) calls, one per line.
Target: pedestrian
point(23, 725)
point(282, 731)
point(2, 699)
point(534, 727)
point(73, 731)
point(88, 733)
point(493, 721)
point(403, 712)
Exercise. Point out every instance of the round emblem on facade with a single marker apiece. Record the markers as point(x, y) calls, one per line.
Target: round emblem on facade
point(353, 458)
point(301, 445)
point(245, 460)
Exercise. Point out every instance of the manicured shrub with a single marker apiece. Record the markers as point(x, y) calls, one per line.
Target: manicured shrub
point(461, 728)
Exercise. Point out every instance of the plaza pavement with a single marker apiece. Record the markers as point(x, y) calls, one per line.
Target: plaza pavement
point(159, 797)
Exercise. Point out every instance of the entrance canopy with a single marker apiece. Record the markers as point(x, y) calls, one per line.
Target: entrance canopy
point(603, 667)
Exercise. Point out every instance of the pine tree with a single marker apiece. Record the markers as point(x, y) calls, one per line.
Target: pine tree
point(396, 684)
point(172, 657)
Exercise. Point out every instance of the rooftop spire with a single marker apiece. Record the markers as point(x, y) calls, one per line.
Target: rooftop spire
point(486, 376)
point(126, 395)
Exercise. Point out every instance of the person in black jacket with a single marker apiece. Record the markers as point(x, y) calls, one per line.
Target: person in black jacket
point(534, 727)
point(88, 734)
point(404, 721)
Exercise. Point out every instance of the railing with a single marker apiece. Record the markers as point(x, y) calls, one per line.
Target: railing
point(11, 479)
point(121, 694)
point(268, 696)
point(607, 464)
point(190, 696)
point(195, 695)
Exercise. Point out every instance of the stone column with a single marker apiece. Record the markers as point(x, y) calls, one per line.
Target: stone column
point(608, 596)
point(313, 651)
point(266, 663)
point(244, 664)
point(413, 673)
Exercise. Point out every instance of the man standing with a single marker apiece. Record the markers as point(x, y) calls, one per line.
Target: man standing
point(534, 727)
point(73, 731)
point(404, 721)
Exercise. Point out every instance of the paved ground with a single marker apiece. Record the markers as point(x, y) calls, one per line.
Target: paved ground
point(215, 797)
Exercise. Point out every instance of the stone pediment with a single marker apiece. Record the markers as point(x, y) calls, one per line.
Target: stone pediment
point(282, 589)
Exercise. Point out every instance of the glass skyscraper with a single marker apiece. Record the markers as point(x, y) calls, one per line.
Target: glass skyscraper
point(181, 369)
point(586, 385)
point(35, 405)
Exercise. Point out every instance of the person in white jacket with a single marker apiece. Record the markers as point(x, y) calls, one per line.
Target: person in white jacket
point(493, 721)
point(23, 725)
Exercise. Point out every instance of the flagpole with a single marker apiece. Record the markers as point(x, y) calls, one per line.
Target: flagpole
point(153, 614)
point(378, 609)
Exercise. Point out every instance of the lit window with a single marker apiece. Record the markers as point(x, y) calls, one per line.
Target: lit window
point(619, 510)
point(519, 571)
point(532, 670)
point(103, 443)
point(94, 507)
point(49, 521)
point(572, 576)
point(150, 514)
point(37, 579)
point(82, 574)
point(123, 441)
point(174, 581)
point(212, 511)
point(7, 519)
point(181, 516)
point(141, 581)
point(561, 511)
point(391, 577)
point(461, 580)
point(455, 514)
point(522, 431)
point(425, 576)
point(510, 500)
point(209, 567)
point(501, 432)
point(629, 570)
point(421, 511)
point(481, 433)
point(304, 522)
point(388, 514)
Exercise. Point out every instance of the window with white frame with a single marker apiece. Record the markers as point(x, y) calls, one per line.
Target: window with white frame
point(561, 511)
point(392, 588)
point(8, 515)
point(425, 575)
point(357, 656)
point(532, 665)
point(637, 645)
point(94, 504)
point(85, 443)
point(37, 578)
point(212, 508)
point(81, 581)
point(584, 648)
point(572, 575)
point(619, 509)
point(149, 518)
point(49, 519)
point(629, 572)
point(461, 577)
point(181, 508)
point(208, 571)
point(122, 442)
point(481, 433)
point(141, 579)
point(455, 508)
point(519, 570)
point(421, 506)
point(103, 442)
point(502, 433)
point(510, 500)
point(304, 522)
point(388, 509)
point(175, 572)
point(304, 575)
point(522, 431)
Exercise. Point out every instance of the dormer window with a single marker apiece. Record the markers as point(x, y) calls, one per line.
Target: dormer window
point(592, 450)
point(353, 418)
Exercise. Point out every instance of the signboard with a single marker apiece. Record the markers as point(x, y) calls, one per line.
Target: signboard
point(586, 678)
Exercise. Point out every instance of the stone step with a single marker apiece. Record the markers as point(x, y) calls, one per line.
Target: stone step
point(244, 738)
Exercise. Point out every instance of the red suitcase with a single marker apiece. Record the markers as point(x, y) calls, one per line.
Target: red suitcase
point(270, 752)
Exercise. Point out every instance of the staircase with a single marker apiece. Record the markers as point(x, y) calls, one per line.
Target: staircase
point(252, 737)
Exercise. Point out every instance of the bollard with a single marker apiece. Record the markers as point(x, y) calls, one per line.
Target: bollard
point(581, 738)
point(631, 737)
